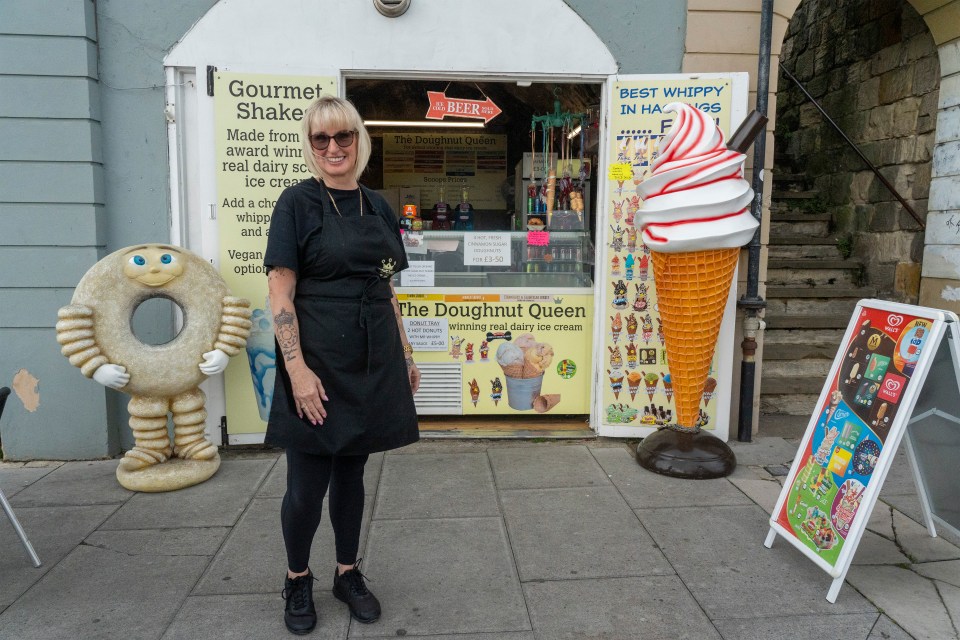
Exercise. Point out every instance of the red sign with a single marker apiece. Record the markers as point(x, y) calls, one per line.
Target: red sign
point(441, 106)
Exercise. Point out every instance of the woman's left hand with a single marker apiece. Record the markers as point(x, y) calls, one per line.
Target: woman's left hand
point(414, 374)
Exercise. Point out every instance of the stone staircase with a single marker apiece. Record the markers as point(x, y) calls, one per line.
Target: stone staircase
point(811, 291)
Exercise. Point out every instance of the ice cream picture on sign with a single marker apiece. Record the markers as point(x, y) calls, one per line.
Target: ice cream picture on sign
point(695, 217)
point(524, 362)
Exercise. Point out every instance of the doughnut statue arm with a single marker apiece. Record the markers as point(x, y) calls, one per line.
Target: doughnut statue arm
point(78, 340)
point(234, 326)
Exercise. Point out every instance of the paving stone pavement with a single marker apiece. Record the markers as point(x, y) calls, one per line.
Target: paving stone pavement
point(467, 540)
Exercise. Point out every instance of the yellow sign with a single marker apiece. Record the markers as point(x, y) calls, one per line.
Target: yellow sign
point(621, 171)
point(638, 388)
point(516, 354)
point(451, 161)
point(258, 153)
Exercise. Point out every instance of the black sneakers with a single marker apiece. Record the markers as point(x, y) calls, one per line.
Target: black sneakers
point(350, 588)
point(299, 613)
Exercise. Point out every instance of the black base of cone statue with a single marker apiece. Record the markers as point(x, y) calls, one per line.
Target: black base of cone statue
point(686, 453)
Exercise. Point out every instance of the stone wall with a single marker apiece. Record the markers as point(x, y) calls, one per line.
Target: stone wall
point(873, 66)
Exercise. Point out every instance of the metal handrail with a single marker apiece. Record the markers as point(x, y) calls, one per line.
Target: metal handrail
point(854, 146)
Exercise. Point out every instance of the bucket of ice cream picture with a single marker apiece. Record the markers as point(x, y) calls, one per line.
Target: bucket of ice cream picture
point(524, 362)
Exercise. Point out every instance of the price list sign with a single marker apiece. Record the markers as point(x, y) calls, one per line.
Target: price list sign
point(427, 334)
point(486, 249)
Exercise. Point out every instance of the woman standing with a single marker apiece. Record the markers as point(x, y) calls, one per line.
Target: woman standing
point(346, 377)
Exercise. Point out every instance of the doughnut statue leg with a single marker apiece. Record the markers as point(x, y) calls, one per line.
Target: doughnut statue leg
point(189, 419)
point(148, 420)
point(195, 458)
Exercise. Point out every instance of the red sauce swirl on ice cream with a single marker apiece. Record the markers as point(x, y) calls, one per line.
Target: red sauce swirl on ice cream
point(695, 198)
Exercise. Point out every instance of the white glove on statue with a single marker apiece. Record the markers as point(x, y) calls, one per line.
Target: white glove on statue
point(112, 375)
point(214, 362)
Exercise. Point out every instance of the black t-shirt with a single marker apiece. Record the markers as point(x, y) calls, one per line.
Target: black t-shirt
point(298, 216)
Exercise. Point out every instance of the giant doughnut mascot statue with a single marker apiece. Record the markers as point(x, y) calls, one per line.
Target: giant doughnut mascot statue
point(95, 333)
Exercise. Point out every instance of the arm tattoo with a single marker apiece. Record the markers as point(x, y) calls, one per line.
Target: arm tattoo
point(287, 333)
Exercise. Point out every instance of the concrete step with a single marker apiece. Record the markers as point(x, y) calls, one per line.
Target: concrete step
point(826, 251)
point(800, 239)
point(820, 292)
point(794, 195)
point(813, 272)
point(780, 177)
point(833, 321)
point(808, 228)
point(793, 352)
point(792, 207)
point(797, 368)
point(790, 404)
point(796, 337)
point(790, 384)
point(786, 307)
point(812, 277)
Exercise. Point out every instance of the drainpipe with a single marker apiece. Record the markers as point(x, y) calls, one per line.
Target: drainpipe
point(751, 302)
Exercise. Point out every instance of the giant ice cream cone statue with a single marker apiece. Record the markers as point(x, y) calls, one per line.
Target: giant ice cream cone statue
point(695, 217)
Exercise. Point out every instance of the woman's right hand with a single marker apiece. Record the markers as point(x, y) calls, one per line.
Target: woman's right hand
point(308, 395)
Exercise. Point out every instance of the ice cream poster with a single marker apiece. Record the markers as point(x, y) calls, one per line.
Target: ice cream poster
point(637, 385)
point(853, 423)
point(517, 354)
point(258, 154)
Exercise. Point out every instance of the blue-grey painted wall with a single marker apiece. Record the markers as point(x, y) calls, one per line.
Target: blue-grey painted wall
point(52, 220)
point(84, 171)
point(644, 36)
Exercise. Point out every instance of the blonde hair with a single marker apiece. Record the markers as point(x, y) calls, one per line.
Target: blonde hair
point(338, 114)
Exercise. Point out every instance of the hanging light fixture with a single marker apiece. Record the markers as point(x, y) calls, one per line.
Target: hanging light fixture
point(392, 8)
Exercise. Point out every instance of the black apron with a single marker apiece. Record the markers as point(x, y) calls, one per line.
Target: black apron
point(349, 337)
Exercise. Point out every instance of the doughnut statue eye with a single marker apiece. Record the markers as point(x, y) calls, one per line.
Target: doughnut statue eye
point(166, 258)
point(138, 260)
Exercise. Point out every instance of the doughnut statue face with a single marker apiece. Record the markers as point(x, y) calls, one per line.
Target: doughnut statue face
point(153, 265)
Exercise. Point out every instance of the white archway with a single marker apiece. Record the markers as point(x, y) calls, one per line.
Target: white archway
point(493, 37)
point(525, 40)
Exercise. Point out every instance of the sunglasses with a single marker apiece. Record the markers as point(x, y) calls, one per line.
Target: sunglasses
point(321, 141)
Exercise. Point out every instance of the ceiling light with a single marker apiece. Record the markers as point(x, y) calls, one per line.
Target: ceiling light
point(576, 131)
point(425, 124)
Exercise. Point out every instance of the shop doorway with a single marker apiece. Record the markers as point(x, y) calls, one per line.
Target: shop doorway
point(496, 165)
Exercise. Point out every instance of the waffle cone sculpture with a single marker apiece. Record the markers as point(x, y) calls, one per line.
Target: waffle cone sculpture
point(695, 218)
point(692, 290)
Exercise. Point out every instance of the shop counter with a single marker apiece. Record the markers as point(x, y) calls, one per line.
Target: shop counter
point(500, 327)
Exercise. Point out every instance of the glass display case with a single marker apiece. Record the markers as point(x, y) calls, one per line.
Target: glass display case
point(566, 261)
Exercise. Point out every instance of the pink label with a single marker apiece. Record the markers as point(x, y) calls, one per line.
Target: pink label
point(538, 238)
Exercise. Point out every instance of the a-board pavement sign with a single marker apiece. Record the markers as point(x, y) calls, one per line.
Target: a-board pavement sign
point(896, 372)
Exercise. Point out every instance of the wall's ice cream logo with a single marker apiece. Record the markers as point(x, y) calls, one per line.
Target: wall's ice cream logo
point(892, 387)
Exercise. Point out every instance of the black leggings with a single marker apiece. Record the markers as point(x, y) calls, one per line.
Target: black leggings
point(307, 479)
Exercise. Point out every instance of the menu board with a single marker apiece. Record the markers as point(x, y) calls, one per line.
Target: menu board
point(862, 413)
point(451, 162)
